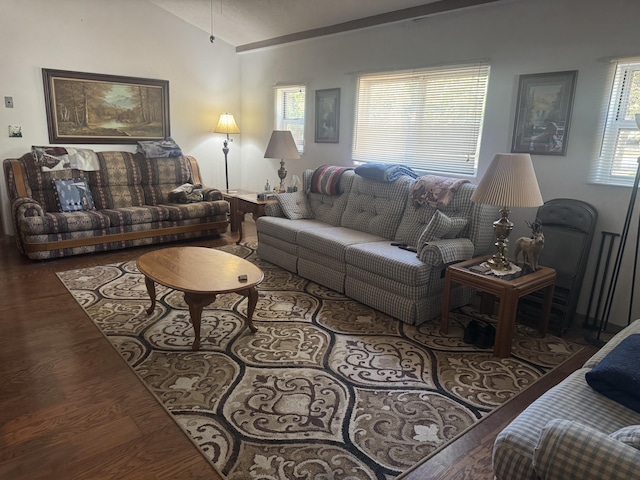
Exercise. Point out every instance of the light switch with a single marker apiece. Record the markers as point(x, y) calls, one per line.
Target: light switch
point(8, 102)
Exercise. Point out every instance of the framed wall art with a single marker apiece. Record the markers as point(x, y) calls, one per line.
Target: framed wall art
point(543, 113)
point(96, 108)
point(327, 116)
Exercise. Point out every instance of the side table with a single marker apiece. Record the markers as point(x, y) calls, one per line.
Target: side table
point(242, 202)
point(507, 289)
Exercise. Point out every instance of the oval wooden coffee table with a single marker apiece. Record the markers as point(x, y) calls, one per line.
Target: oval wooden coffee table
point(201, 274)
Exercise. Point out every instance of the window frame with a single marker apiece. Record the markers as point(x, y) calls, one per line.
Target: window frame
point(617, 161)
point(413, 132)
point(281, 122)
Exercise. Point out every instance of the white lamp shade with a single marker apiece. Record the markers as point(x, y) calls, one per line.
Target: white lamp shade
point(510, 181)
point(282, 145)
point(227, 124)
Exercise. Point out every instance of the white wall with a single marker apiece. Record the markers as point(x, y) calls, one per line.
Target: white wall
point(120, 37)
point(517, 37)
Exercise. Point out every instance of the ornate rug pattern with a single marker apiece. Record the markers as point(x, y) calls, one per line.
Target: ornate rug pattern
point(327, 387)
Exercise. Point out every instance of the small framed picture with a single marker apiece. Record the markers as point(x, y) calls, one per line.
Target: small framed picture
point(328, 116)
point(543, 113)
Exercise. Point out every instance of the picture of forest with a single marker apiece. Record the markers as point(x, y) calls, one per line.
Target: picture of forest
point(84, 110)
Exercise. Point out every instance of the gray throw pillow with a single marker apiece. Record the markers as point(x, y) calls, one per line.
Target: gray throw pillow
point(441, 226)
point(629, 435)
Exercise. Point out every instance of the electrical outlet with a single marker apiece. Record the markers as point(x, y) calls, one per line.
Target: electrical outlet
point(8, 102)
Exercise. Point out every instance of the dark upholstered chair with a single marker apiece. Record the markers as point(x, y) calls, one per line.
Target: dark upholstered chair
point(568, 226)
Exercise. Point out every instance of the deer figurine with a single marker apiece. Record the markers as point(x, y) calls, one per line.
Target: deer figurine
point(530, 246)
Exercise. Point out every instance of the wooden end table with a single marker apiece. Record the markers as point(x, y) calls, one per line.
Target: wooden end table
point(242, 202)
point(201, 274)
point(507, 289)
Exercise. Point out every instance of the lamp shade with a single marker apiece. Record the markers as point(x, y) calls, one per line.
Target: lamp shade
point(227, 124)
point(282, 145)
point(510, 181)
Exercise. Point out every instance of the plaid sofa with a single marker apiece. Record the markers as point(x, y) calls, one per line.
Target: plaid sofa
point(572, 432)
point(344, 243)
point(130, 193)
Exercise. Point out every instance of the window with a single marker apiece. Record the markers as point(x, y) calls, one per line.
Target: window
point(290, 102)
point(428, 119)
point(618, 160)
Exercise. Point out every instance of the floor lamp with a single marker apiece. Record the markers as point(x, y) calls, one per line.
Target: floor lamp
point(227, 125)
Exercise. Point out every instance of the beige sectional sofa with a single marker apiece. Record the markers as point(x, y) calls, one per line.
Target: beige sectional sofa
point(344, 241)
point(130, 196)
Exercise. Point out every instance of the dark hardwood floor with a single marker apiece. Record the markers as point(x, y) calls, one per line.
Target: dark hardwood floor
point(70, 407)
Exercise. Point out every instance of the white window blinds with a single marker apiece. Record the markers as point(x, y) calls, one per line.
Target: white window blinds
point(429, 119)
point(618, 160)
point(290, 103)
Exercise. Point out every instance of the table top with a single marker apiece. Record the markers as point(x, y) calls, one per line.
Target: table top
point(543, 274)
point(199, 270)
point(250, 197)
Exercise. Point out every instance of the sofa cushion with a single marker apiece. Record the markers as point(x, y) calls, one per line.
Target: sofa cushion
point(117, 183)
point(179, 211)
point(66, 222)
point(376, 207)
point(162, 175)
point(391, 262)
point(617, 376)
point(73, 195)
point(332, 242)
point(629, 435)
point(328, 208)
point(294, 205)
point(285, 229)
point(136, 215)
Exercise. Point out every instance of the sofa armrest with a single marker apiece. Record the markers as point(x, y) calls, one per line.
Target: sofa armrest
point(211, 194)
point(273, 209)
point(569, 450)
point(442, 252)
point(26, 207)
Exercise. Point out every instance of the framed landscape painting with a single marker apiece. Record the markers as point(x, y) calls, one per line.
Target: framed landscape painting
point(95, 108)
point(543, 113)
point(327, 116)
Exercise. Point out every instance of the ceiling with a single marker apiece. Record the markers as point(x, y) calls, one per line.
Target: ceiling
point(250, 24)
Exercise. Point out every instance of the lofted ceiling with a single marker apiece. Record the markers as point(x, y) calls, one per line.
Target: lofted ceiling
point(249, 24)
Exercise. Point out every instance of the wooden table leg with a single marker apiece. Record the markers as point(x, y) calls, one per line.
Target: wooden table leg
point(151, 289)
point(240, 219)
point(506, 323)
point(252, 301)
point(546, 309)
point(446, 301)
point(196, 304)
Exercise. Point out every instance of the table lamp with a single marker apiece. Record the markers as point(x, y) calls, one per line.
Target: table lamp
point(510, 181)
point(282, 146)
point(226, 124)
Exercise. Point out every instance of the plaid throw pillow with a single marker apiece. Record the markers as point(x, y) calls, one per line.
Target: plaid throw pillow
point(294, 205)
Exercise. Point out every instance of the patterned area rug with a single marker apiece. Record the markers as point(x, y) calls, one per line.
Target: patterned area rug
point(327, 387)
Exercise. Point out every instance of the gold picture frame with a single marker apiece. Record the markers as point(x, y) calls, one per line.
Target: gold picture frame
point(95, 108)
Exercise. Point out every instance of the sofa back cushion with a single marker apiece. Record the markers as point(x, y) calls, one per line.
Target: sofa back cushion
point(161, 175)
point(41, 185)
point(376, 207)
point(478, 229)
point(117, 183)
point(328, 208)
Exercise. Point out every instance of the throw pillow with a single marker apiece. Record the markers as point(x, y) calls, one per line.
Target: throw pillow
point(629, 435)
point(294, 205)
point(441, 226)
point(73, 195)
point(617, 375)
